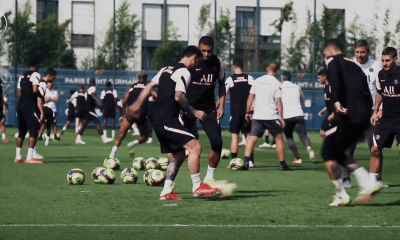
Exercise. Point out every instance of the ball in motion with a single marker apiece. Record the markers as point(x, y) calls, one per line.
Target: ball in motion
point(156, 178)
point(138, 163)
point(162, 163)
point(236, 164)
point(76, 176)
point(151, 163)
point(112, 163)
point(129, 176)
point(225, 153)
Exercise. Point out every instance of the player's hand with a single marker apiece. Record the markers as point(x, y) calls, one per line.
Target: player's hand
point(248, 117)
point(199, 114)
point(321, 113)
point(41, 120)
point(220, 112)
point(282, 123)
point(331, 117)
point(375, 117)
point(340, 109)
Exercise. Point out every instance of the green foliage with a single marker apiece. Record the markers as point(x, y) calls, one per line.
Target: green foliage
point(203, 19)
point(287, 15)
point(126, 35)
point(385, 27)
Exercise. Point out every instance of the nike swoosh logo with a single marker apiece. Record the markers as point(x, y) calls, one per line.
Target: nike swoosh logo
point(198, 69)
point(383, 80)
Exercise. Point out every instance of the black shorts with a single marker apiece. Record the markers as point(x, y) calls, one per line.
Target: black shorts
point(28, 120)
point(109, 113)
point(326, 124)
point(150, 110)
point(239, 124)
point(91, 116)
point(80, 113)
point(1, 116)
point(71, 116)
point(49, 116)
point(385, 132)
point(339, 138)
point(258, 127)
point(172, 136)
point(290, 124)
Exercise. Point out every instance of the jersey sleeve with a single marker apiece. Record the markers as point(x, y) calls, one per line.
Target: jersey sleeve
point(378, 83)
point(278, 92)
point(156, 78)
point(102, 95)
point(42, 89)
point(253, 88)
point(228, 84)
point(182, 79)
point(115, 93)
point(221, 75)
point(19, 82)
point(334, 79)
point(251, 80)
point(4, 97)
point(35, 78)
point(75, 95)
point(91, 90)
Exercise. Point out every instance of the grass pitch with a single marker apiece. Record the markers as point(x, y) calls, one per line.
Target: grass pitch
point(36, 202)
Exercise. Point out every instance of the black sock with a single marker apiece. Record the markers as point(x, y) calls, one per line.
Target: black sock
point(246, 162)
point(273, 141)
point(267, 139)
point(234, 155)
point(283, 163)
point(252, 158)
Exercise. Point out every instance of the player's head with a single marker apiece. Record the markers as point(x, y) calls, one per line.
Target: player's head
point(81, 87)
point(34, 63)
point(50, 75)
point(191, 56)
point(361, 51)
point(333, 48)
point(92, 81)
point(323, 77)
point(273, 68)
point(108, 84)
point(206, 46)
point(142, 77)
point(238, 63)
point(49, 85)
point(71, 92)
point(286, 76)
point(389, 59)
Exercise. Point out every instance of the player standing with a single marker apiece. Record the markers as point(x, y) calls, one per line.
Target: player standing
point(3, 112)
point(109, 99)
point(268, 113)
point(200, 94)
point(80, 111)
point(353, 102)
point(50, 109)
point(172, 82)
point(71, 104)
point(292, 97)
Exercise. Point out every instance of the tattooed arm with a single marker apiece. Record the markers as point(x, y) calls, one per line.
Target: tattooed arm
point(180, 97)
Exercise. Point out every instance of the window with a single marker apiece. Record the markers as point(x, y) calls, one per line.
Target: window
point(45, 8)
point(82, 15)
point(244, 22)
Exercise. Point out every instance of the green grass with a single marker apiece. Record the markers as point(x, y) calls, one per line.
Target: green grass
point(275, 204)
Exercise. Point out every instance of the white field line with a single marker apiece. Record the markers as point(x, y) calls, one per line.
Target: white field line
point(199, 226)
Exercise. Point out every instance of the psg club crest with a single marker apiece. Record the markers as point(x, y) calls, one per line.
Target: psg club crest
point(396, 82)
point(371, 69)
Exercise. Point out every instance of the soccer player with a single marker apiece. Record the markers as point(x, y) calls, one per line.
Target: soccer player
point(80, 111)
point(268, 114)
point(386, 116)
point(239, 87)
point(172, 82)
point(292, 97)
point(329, 108)
point(30, 110)
point(71, 104)
point(49, 108)
point(109, 99)
point(353, 102)
point(142, 123)
point(3, 112)
point(200, 94)
point(266, 143)
point(90, 114)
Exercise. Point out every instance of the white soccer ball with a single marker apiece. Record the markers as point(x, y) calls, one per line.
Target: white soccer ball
point(151, 163)
point(236, 164)
point(76, 176)
point(225, 153)
point(162, 163)
point(112, 163)
point(156, 178)
point(129, 176)
point(138, 163)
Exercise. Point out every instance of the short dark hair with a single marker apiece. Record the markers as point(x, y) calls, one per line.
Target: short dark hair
point(33, 61)
point(81, 86)
point(108, 84)
point(92, 81)
point(362, 43)
point(274, 66)
point(390, 51)
point(238, 62)
point(286, 76)
point(192, 50)
point(71, 92)
point(206, 40)
point(335, 43)
point(51, 72)
point(323, 73)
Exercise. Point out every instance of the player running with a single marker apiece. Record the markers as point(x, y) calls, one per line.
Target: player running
point(386, 116)
point(90, 114)
point(80, 111)
point(268, 113)
point(172, 82)
point(71, 104)
point(239, 87)
point(353, 102)
point(3, 112)
point(109, 99)
point(292, 97)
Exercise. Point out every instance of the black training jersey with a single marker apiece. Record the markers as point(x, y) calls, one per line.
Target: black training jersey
point(108, 96)
point(25, 83)
point(3, 99)
point(201, 89)
point(239, 86)
point(80, 100)
point(169, 80)
point(389, 86)
point(134, 92)
point(71, 102)
point(90, 102)
point(328, 102)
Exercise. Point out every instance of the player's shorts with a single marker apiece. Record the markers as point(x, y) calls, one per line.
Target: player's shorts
point(28, 120)
point(1, 116)
point(385, 132)
point(339, 138)
point(80, 113)
point(109, 113)
point(71, 116)
point(326, 124)
point(172, 136)
point(239, 124)
point(91, 116)
point(49, 116)
point(290, 124)
point(258, 127)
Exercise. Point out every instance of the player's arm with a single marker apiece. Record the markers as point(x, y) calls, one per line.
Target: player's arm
point(180, 97)
point(102, 94)
point(302, 97)
point(378, 103)
point(133, 111)
point(250, 101)
point(279, 106)
point(56, 98)
point(96, 99)
point(4, 105)
point(222, 92)
point(321, 113)
point(336, 85)
point(154, 94)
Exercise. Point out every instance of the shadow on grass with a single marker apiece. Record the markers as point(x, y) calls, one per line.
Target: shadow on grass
point(246, 194)
point(67, 161)
point(396, 203)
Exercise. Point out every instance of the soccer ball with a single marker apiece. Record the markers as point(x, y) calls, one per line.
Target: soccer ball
point(138, 163)
point(162, 163)
point(107, 176)
point(112, 163)
point(26, 136)
point(225, 153)
point(97, 175)
point(52, 136)
point(236, 164)
point(76, 176)
point(44, 136)
point(156, 178)
point(129, 175)
point(151, 163)
point(146, 176)
point(16, 135)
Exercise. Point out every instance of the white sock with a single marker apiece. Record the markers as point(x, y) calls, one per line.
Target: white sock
point(76, 129)
point(373, 177)
point(103, 137)
point(135, 143)
point(243, 138)
point(113, 151)
point(362, 177)
point(3, 136)
point(195, 181)
point(210, 172)
point(167, 187)
point(339, 188)
point(18, 153)
point(64, 128)
point(105, 133)
point(186, 152)
point(78, 138)
point(113, 133)
point(34, 150)
point(30, 154)
point(47, 142)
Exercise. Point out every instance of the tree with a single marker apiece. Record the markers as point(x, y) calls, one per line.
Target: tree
point(126, 35)
point(203, 19)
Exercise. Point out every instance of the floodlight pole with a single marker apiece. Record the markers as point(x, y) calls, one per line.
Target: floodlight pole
point(114, 46)
point(15, 62)
point(313, 66)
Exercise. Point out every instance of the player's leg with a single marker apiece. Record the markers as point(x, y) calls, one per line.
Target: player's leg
point(257, 129)
point(143, 131)
point(96, 121)
point(33, 124)
point(370, 133)
point(234, 145)
point(104, 125)
point(3, 130)
point(113, 127)
point(234, 129)
point(48, 125)
point(290, 124)
point(55, 128)
point(125, 125)
point(266, 143)
point(65, 127)
point(173, 167)
point(22, 130)
point(301, 130)
point(41, 131)
point(349, 153)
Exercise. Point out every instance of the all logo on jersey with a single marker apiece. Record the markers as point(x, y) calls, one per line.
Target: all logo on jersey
point(389, 90)
point(371, 69)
